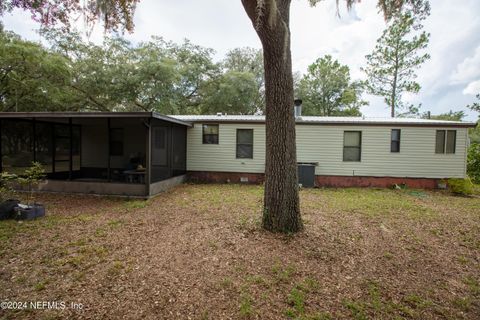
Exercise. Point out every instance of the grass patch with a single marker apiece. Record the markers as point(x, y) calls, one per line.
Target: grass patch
point(464, 304)
point(282, 273)
point(372, 202)
point(375, 304)
point(246, 305)
point(135, 204)
point(116, 268)
point(39, 286)
point(226, 283)
point(115, 223)
point(473, 285)
point(296, 299)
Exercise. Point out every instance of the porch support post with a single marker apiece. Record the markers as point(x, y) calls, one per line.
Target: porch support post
point(148, 157)
point(108, 150)
point(53, 146)
point(70, 167)
point(1, 164)
point(34, 138)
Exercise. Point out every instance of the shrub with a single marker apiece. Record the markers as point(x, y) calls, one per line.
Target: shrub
point(473, 162)
point(6, 190)
point(31, 178)
point(460, 186)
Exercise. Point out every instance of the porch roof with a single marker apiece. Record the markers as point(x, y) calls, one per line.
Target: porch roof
point(66, 115)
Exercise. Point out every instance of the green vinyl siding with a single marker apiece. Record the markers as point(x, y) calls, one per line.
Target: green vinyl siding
point(325, 144)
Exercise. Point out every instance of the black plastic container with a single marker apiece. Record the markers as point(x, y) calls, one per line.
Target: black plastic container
point(30, 213)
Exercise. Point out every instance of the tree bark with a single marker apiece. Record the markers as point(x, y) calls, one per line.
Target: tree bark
point(270, 19)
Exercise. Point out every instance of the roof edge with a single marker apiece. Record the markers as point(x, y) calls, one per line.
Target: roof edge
point(71, 114)
point(346, 123)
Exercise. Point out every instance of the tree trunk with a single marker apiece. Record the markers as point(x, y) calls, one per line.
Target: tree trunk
point(281, 202)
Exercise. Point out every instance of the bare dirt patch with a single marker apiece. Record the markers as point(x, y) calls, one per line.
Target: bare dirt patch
point(197, 252)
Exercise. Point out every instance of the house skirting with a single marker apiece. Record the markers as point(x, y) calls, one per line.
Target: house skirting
point(107, 188)
point(225, 177)
point(164, 185)
point(90, 187)
point(379, 182)
point(320, 181)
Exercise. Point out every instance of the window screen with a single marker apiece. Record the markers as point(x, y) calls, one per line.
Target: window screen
point(445, 141)
point(210, 133)
point(17, 145)
point(440, 141)
point(44, 145)
point(116, 142)
point(451, 141)
point(159, 138)
point(245, 143)
point(395, 140)
point(160, 143)
point(352, 145)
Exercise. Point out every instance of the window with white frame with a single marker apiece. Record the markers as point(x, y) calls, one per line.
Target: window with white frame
point(352, 146)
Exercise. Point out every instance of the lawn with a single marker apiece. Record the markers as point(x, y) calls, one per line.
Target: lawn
point(198, 252)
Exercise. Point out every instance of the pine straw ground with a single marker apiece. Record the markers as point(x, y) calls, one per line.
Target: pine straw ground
point(197, 252)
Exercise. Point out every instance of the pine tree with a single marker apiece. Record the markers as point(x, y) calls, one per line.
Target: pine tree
point(397, 55)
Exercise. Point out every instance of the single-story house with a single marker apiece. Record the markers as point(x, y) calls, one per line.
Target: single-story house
point(143, 153)
point(342, 151)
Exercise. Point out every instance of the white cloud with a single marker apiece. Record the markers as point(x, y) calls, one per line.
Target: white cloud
point(468, 69)
point(472, 88)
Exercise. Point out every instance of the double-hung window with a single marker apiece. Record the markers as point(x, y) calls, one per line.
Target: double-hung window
point(352, 145)
point(445, 141)
point(244, 143)
point(210, 134)
point(395, 140)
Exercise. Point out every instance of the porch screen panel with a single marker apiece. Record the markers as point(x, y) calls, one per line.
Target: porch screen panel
point(44, 145)
point(160, 152)
point(179, 150)
point(76, 145)
point(17, 145)
point(62, 148)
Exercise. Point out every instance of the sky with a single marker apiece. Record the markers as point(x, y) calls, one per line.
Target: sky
point(449, 80)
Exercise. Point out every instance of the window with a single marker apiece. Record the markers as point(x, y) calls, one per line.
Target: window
point(116, 142)
point(395, 140)
point(245, 143)
point(451, 141)
point(352, 145)
point(445, 141)
point(440, 142)
point(210, 133)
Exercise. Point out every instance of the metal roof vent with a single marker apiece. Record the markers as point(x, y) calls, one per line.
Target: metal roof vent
point(298, 108)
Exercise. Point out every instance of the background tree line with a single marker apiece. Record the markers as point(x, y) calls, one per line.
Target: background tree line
point(70, 74)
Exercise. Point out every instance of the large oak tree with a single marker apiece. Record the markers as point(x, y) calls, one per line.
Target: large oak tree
point(271, 21)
